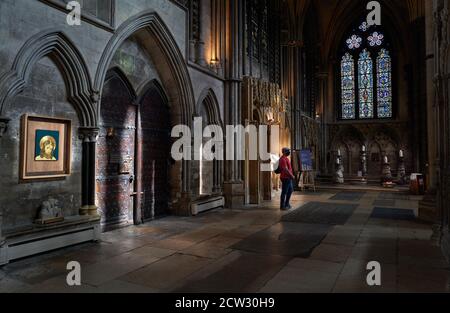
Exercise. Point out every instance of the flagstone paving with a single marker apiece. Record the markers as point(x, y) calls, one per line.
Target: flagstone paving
point(253, 249)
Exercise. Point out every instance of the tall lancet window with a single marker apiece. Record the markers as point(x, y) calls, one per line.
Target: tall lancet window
point(384, 84)
point(365, 82)
point(366, 75)
point(348, 86)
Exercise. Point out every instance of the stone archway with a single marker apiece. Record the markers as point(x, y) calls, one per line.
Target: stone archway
point(116, 167)
point(155, 37)
point(154, 161)
point(211, 172)
point(57, 46)
point(62, 51)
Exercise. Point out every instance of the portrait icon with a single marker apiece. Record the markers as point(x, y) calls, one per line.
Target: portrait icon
point(45, 150)
point(46, 145)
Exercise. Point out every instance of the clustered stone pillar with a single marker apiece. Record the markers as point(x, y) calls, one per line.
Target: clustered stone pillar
point(2, 239)
point(3, 127)
point(89, 137)
point(441, 36)
point(233, 185)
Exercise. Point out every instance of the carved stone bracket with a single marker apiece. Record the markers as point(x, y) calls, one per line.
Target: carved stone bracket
point(88, 134)
point(3, 125)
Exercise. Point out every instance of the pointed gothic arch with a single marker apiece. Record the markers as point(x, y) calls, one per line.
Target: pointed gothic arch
point(171, 65)
point(62, 51)
point(117, 72)
point(209, 105)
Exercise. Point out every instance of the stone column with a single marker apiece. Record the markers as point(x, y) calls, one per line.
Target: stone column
point(295, 72)
point(2, 239)
point(89, 137)
point(431, 106)
point(3, 127)
point(233, 185)
point(323, 88)
point(442, 99)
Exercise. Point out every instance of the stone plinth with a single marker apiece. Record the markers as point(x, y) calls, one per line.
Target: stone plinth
point(234, 194)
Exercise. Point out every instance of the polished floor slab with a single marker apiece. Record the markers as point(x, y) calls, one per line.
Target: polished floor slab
point(253, 249)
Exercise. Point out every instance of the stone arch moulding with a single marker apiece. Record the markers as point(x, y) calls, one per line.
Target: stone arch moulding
point(209, 102)
point(166, 46)
point(141, 90)
point(62, 51)
point(172, 68)
point(209, 99)
point(117, 72)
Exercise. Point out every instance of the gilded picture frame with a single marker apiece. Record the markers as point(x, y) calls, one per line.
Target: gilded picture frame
point(45, 148)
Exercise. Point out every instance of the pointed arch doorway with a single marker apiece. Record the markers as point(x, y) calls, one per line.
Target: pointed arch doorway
point(133, 152)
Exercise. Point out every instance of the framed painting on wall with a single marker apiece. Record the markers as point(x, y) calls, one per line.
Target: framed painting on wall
point(45, 149)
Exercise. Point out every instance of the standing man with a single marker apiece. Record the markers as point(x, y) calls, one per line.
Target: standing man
point(287, 178)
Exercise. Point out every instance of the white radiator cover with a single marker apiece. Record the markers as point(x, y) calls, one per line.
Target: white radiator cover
point(48, 240)
point(207, 204)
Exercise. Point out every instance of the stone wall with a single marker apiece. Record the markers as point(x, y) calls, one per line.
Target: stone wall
point(45, 94)
point(381, 139)
point(136, 64)
point(22, 21)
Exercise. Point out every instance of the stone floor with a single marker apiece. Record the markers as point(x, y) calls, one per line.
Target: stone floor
point(252, 250)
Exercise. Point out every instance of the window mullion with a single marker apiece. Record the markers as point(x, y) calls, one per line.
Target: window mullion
point(375, 85)
point(356, 57)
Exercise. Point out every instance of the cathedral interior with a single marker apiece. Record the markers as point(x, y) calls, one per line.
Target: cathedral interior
point(91, 95)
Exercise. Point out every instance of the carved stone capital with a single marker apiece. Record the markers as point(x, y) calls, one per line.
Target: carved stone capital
point(3, 125)
point(95, 96)
point(88, 134)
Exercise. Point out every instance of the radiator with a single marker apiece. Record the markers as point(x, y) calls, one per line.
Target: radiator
point(47, 241)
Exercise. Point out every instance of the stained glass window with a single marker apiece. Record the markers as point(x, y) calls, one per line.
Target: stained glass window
point(354, 42)
point(348, 86)
point(364, 26)
point(366, 74)
point(375, 39)
point(384, 84)
point(365, 81)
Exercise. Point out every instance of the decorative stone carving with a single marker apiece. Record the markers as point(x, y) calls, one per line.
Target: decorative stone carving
point(268, 99)
point(88, 134)
point(3, 125)
point(379, 138)
point(50, 212)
